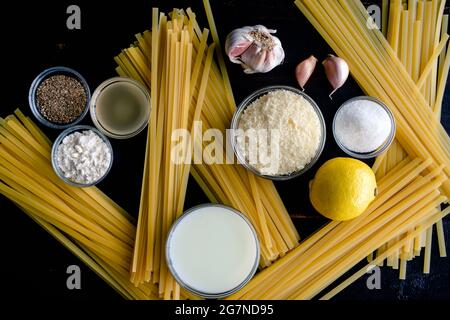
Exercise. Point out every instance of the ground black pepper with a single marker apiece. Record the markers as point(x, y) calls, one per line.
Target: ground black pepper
point(61, 98)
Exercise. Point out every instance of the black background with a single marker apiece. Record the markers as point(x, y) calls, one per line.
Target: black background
point(35, 37)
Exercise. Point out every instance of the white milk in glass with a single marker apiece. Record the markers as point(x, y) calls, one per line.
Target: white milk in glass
point(212, 250)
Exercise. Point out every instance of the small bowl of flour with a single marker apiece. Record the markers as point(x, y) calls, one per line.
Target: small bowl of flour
point(82, 156)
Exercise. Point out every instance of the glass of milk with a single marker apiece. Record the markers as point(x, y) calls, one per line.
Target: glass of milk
point(212, 251)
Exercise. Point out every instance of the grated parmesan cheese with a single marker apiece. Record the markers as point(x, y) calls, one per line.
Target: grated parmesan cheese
point(293, 133)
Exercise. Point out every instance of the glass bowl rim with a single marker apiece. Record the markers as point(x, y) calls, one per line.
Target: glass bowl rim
point(380, 150)
point(93, 106)
point(188, 287)
point(44, 75)
point(257, 94)
point(58, 141)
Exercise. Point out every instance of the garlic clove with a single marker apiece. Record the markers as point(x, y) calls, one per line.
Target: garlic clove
point(273, 57)
point(237, 42)
point(337, 71)
point(254, 59)
point(304, 71)
point(278, 51)
point(239, 49)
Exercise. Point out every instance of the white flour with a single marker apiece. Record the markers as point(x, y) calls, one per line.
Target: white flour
point(83, 157)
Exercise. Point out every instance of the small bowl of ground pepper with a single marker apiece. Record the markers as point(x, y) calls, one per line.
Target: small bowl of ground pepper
point(59, 97)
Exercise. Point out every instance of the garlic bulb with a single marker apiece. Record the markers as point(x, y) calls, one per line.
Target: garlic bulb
point(255, 48)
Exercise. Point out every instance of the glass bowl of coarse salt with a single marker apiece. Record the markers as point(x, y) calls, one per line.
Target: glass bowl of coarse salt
point(278, 133)
point(364, 127)
point(82, 156)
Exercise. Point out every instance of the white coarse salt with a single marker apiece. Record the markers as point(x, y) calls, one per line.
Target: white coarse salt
point(83, 157)
point(362, 126)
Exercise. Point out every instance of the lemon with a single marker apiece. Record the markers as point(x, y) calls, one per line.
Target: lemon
point(343, 188)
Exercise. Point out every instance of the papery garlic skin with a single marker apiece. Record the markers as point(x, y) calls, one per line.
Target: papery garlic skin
point(255, 48)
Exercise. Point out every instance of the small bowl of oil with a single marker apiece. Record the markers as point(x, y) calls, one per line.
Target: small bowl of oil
point(120, 107)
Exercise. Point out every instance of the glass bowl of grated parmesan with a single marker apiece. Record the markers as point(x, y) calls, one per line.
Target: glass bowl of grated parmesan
point(82, 156)
point(278, 133)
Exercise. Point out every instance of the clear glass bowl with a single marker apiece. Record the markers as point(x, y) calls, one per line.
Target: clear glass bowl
point(98, 92)
point(58, 141)
point(380, 149)
point(235, 123)
point(207, 295)
point(44, 75)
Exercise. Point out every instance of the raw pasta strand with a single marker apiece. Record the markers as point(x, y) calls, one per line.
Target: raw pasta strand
point(363, 270)
point(99, 227)
point(228, 184)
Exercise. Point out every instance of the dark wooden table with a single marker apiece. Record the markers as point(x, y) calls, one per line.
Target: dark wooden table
point(36, 37)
